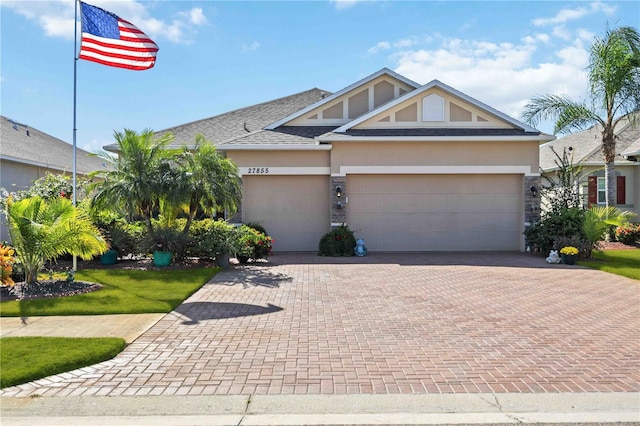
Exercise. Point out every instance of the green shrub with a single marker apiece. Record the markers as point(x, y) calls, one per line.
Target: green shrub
point(628, 234)
point(338, 242)
point(257, 227)
point(210, 238)
point(253, 244)
point(126, 238)
point(563, 223)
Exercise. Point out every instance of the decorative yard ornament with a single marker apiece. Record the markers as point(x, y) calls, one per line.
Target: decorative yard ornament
point(553, 257)
point(360, 249)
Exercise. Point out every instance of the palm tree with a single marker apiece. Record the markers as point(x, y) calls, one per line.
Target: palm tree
point(209, 182)
point(138, 176)
point(42, 230)
point(614, 91)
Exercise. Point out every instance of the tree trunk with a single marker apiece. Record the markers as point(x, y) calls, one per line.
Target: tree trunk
point(609, 156)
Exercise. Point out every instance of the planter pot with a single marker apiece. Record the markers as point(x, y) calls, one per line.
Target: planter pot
point(110, 257)
point(161, 258)
point(222, 260)
point(569, 259)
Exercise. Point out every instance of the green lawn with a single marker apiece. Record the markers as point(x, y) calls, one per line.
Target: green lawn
point(124, 292)
point(619, 262)
point(24, 359)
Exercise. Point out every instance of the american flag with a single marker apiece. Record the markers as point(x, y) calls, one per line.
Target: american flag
point(110, 40)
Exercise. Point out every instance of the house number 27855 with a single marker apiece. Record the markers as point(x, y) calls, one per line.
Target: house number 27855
point(258, 170)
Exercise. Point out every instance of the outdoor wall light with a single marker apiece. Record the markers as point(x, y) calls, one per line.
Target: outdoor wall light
point(534, 191)
point(338, 191)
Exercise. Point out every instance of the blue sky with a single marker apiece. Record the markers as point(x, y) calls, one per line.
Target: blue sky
point(216, 56)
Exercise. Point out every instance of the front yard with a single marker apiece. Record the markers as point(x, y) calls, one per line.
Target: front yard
point(123, 292)
point(619, 262)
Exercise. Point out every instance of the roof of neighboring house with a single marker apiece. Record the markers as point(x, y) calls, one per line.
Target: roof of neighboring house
point(585, 146)
point(21, 143)
point(243, 122)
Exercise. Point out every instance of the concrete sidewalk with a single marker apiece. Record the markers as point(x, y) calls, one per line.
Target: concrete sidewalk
point(127, 326)
point(325, 409)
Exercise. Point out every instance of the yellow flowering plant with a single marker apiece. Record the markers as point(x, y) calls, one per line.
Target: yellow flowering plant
point(7, 260)
point(569, 251)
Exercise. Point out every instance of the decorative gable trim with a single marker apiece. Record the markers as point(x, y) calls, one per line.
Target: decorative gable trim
point(333, 97)
point(433, 108)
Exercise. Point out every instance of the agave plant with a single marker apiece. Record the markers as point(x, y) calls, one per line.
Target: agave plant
point(43, 230)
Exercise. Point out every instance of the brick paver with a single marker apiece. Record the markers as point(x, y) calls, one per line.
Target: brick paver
point(387, 323)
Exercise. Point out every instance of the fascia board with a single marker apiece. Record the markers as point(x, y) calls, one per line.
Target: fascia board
point(33, 163)
point(526, 138)
point(340, 93)
point(446, 88)
point(273, 147)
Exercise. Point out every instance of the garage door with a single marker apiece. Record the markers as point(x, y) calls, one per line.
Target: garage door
point(436, 212)
point(293, 209)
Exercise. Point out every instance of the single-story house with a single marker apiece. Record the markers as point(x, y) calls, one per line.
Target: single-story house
point(27, 154)
point(407, 167)
point(586, 149)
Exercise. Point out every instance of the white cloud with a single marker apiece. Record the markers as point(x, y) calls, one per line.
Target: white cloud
point(94, 146)
point(382, 45)
point(566, 15)
point(344, 4)
point(197, 16)
point(56, 18)
point(251, 47)
point(503, 75)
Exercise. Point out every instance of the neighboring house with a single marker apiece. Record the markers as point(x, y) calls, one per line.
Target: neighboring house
point(586, 149)
point(26, 154)
point(406, 167)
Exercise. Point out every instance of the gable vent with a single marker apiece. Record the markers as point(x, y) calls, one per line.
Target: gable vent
point(433, 108)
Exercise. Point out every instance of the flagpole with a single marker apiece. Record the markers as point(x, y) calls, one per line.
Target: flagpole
point(75, 73)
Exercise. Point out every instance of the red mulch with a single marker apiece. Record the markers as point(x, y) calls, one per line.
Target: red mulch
point(614, 245)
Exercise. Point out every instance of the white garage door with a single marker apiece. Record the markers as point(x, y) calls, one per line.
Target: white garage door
point(436, 212)
point(293, 209)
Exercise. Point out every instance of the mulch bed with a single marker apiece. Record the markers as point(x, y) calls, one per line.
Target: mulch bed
point(614, 245)
point(59, 288)
point(45, 289)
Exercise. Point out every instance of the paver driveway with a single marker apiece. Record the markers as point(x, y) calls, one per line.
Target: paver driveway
point(387, 323)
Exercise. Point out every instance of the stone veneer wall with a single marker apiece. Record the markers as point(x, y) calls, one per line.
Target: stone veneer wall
point(338, 215)
point(531, 203)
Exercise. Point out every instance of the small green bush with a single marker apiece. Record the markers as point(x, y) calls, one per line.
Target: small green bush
point(628, 234)
point(563, 223)
point(338, 242)
point(210, 238)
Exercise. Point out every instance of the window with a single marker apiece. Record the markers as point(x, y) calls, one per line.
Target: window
point(602, 191)
point(598, 190)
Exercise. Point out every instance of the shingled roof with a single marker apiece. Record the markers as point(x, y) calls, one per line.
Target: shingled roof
point(21, 143)
point(243, 122)
point(585, 146)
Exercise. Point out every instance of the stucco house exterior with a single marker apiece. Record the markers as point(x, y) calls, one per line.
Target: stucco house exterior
point(27, 154)
point(585, 147)
point(407, 167)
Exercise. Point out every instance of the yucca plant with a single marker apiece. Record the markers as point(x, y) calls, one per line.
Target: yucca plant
point(44, 230)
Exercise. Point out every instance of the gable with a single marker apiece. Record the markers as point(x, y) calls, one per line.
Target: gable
point(352, 102)
point(434, 108)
